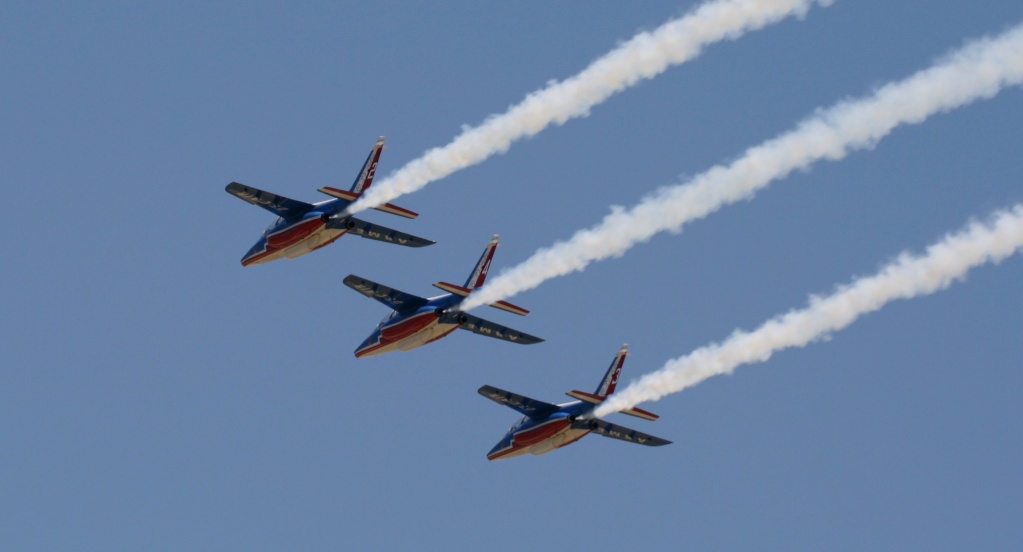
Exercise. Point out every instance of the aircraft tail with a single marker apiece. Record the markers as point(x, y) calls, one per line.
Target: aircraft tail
point(607, 387)
point(369, 168)
point(479, 274)
point(610, 380)
point(364, 180)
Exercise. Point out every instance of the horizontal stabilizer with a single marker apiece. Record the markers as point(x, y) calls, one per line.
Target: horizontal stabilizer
point(525, 405)
point(621, 433)
point(279, 205)
point(397, 300)
point(464, 292)
point(480, 326)
point(452, 288)
point(585, 397)
point(506, 306)
point(371, 231)
point(595, 399)
point(352, 196)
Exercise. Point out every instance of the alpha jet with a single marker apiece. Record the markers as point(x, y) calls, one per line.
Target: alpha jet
point(416, 321)
point(303, 227)
point(545, 427)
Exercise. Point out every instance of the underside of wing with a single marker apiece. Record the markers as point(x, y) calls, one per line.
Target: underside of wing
point(371, 231)
point(395, 299)
point(527, 406)
point(621, 433)
point(480, 326)
point(276, 204)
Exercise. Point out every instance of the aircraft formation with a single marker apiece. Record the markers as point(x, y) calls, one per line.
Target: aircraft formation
point(414, 321)
point(977, 70)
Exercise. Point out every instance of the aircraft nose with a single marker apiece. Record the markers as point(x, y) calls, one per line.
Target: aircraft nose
point(252, 256)
point(369, 345)
point(500, 448)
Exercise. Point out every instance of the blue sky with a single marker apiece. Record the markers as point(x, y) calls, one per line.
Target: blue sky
point(155, 395)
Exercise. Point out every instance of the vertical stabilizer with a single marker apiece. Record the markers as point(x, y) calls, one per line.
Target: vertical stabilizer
point(610, 381)
point(369, 168)
point(479, 274)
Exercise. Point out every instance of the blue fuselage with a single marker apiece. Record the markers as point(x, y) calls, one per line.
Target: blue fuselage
point(295, 237)
point(542, 435)
point(407, 330)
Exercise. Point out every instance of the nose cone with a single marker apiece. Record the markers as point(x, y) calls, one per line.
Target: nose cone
point(371, 346)
point(257, 254)
point(501, 449)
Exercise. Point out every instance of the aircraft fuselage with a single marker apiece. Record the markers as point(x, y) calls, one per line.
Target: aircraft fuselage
point(294, 238)
point(406, 331)
point(538, 436)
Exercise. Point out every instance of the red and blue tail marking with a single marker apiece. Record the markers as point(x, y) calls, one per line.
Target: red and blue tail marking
point(369, 168)
point(610, 381)
point(479, 274)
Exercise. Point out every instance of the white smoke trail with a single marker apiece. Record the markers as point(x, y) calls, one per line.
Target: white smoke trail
point(643, 57)
point(978, 70)
point(906, 277)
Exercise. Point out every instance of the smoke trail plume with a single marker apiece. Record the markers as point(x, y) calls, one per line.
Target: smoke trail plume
point(978, 70)
point(906, 277)
point(643, 57)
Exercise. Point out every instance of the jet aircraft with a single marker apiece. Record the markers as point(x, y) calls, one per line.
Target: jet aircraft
point(416, 321)
point(545, 427)
point(304, 227)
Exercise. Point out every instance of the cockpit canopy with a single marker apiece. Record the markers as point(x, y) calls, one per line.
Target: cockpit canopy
point(273, 225)
point(387, 319)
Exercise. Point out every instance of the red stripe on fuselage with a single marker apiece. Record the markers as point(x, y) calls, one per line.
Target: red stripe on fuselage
point(543, 431)
point(363, 352)
point(293, 234)
point(504, 452)
point(249, 260)
point(408, 327)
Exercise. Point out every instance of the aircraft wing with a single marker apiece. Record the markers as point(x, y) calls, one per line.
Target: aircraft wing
point(397, 300)
point(376, 232)
point(480, 326)
point(622, 433)
point(276, 204)
point(530, 407)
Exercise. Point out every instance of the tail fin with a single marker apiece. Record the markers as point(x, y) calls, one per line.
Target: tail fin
point(610, 381)
point(607, 387)
point(369, 168)
point(479, 274)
